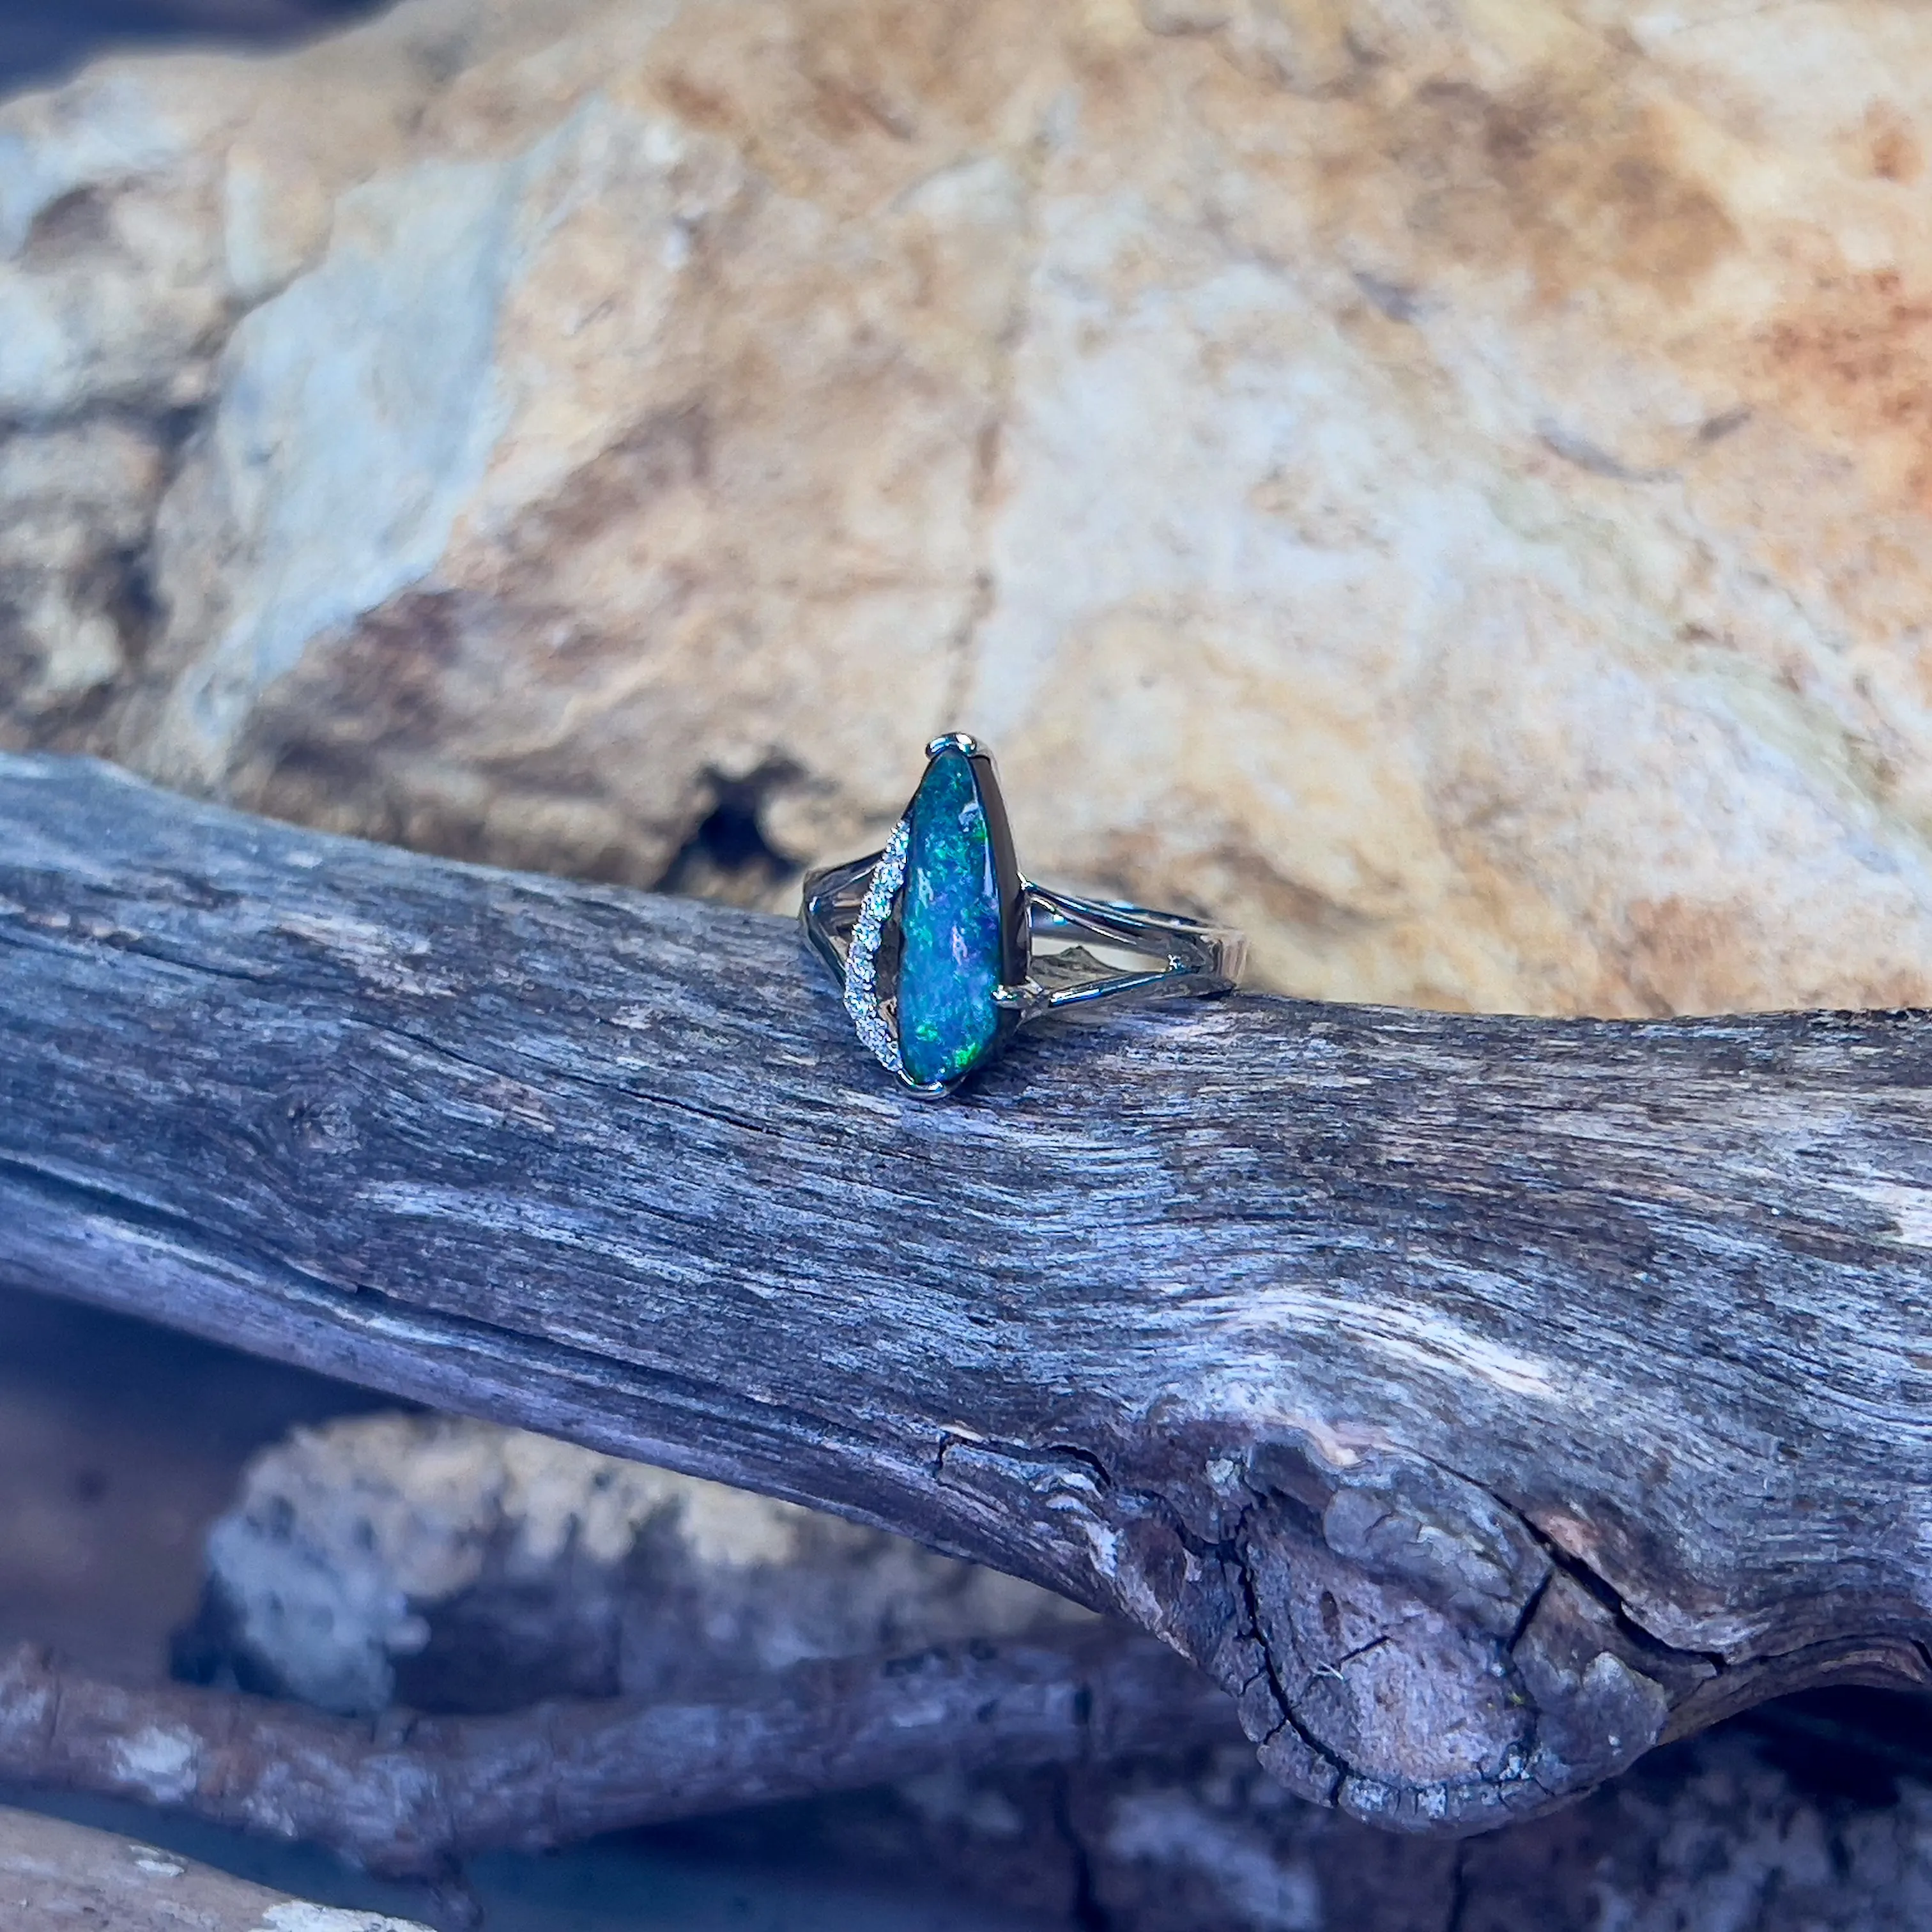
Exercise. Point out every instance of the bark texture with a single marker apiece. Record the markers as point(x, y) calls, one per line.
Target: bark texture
point(1478, 1399)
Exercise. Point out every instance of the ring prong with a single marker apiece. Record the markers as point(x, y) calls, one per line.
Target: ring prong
point(953, 741)
point(1027, 999)
point(926, 1089)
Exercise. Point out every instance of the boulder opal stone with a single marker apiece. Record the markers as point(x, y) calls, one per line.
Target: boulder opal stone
point(950, 964)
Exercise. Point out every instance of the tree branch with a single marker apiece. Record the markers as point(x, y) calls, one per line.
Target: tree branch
point(408, 1795)
point(1477, 1399)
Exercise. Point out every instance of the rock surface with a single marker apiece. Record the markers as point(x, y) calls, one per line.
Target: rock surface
point(55, 1876)
point(1446, 485)
point(452, 1565)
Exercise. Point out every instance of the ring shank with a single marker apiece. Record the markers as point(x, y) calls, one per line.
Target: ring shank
point(830, 909)
point(1195, 957)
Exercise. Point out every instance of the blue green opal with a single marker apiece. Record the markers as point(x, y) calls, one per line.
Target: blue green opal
point(950, 921)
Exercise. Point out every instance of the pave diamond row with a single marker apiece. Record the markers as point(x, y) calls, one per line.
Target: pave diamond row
point(862, 959)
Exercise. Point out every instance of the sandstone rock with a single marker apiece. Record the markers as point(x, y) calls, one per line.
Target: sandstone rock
point(1447, 486)
point(58, 1877)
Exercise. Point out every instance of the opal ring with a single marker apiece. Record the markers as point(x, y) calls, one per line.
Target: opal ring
point(944, 951)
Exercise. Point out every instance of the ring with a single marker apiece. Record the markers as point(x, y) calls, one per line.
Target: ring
point(944, 951)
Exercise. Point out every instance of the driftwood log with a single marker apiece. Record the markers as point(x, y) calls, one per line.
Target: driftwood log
point(1478, 1399)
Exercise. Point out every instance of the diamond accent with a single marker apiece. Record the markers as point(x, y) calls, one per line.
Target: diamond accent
point(861, 957)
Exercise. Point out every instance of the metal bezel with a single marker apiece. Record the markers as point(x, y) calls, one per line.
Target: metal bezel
point(1015, 920)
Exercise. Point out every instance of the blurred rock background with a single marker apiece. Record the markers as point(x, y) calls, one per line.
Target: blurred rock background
point(1442, 482)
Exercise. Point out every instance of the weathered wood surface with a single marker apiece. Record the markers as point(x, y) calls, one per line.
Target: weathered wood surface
point(1477, 1399)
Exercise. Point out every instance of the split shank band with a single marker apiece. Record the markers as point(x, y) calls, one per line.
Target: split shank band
point(943, 950)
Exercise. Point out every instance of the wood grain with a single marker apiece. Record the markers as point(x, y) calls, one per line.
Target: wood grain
point(1478, 1399)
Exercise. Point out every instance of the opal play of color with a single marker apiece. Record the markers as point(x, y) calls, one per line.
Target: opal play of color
point(949, 918)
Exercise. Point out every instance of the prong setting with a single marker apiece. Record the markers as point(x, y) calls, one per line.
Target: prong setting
point(926, 1089)
point(1028, 1000)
